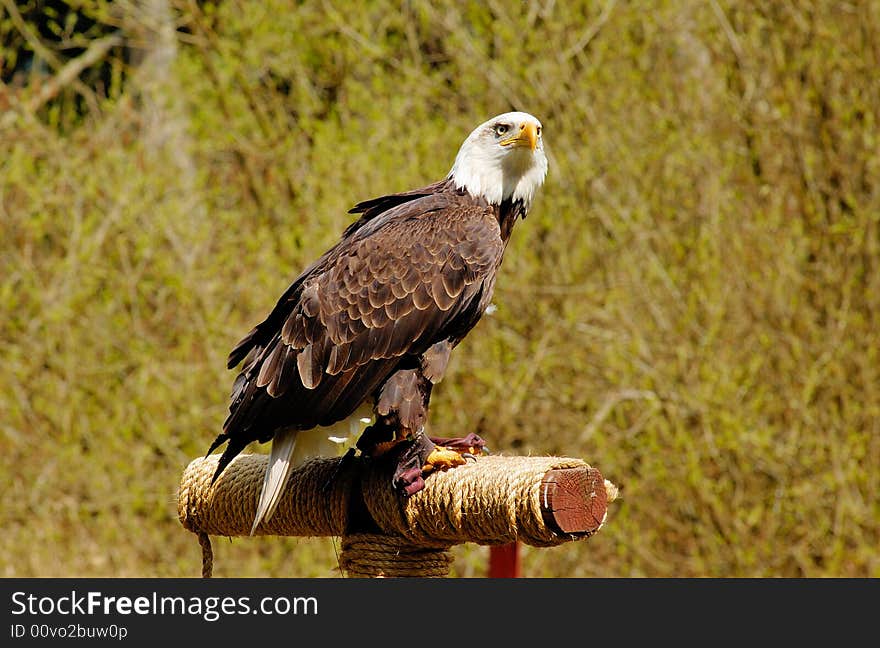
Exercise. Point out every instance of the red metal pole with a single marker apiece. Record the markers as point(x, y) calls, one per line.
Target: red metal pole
point(504, 561)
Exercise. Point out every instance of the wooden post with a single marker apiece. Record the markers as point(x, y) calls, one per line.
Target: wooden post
point(504, 561)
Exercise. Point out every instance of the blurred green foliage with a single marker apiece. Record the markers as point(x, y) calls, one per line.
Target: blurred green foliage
point(693, 305)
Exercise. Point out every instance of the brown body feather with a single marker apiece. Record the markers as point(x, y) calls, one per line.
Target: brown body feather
point(374, 318)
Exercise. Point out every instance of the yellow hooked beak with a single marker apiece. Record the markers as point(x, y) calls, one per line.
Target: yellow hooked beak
point(527, 136)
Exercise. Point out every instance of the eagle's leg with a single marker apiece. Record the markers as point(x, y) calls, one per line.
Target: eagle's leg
point(433, 363)
point(409, 475)
point(398, 432)
point(384, 441)
point(424, 455)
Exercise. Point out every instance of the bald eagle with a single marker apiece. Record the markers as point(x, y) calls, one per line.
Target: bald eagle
point(370, 325)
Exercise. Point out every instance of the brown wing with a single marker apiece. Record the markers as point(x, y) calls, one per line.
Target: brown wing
point(409, 277)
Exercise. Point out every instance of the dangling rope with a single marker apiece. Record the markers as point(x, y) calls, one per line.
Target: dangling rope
point(207, 554)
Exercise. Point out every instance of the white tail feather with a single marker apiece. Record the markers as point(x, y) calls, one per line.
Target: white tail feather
point(277, 473)
point(291, 448)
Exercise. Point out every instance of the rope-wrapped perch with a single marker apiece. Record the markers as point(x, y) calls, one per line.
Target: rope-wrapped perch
point(540, 501)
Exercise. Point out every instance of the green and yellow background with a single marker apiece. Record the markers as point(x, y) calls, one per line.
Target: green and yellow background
point(692, 306)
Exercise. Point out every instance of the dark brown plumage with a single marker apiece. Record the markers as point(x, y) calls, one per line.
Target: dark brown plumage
point(416, 269)
point(375, 319)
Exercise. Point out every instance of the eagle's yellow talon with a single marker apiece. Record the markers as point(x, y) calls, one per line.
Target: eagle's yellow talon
point(442, 459)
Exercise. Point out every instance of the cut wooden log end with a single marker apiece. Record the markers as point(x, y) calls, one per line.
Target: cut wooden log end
point(574, 501)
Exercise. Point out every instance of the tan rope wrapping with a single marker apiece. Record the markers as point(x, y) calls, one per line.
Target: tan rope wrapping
point(495, 500)
point(228, 508)
point(372, 555)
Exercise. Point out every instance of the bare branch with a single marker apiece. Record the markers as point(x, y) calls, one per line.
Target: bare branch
point(67, 75)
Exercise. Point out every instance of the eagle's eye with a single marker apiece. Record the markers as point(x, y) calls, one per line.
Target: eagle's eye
point(500, 129)
point(539, 131)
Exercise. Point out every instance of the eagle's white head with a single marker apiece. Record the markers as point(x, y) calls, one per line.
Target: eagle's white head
point(503, 158)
